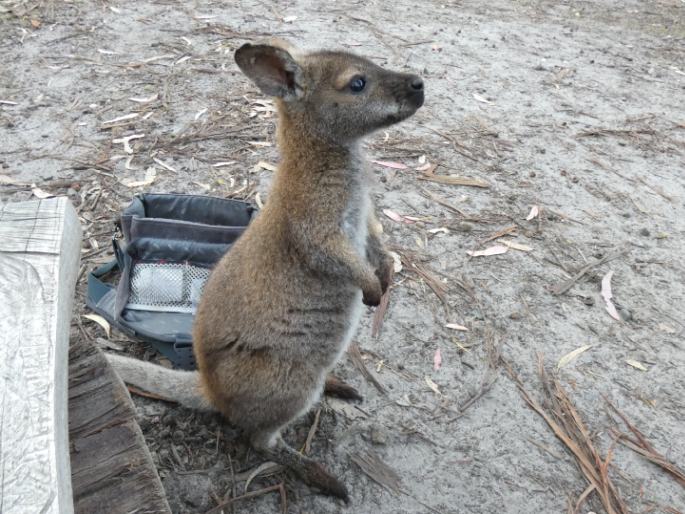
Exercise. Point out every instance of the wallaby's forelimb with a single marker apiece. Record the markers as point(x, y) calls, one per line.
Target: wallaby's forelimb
point(380, 260)
point(175, 385)
point(335, 256)
point(273, 447)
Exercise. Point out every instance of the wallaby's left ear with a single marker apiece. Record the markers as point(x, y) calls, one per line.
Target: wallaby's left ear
point(272, 69)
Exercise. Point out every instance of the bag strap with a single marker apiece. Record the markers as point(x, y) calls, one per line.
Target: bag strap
point(96, 287)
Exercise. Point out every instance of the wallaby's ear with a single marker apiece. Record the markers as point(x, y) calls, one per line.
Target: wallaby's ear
point(273, 69)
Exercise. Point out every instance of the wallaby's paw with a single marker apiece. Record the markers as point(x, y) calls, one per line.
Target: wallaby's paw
point(339, 389)
point(372, 297)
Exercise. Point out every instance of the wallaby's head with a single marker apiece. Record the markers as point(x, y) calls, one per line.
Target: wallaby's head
point(337, 96)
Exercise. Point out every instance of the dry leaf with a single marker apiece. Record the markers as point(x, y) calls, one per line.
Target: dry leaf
point(480, 98)
point(517, 246)
point(397, 217)
point(534, 212)
point(126, 140)
point(456, 326)
point(434, 387)
point(144, 100)
point(100, 321)
point(667, 328)
point(267, 166)
point(424, 167)
point(390, 164)
point(636, 364)
point(9, 181)
point(493, 250)
point(39, 193)
point(606, 294)
point(571, 356)
point(437, 360)
point(121, 118)
point(35, 23)
point(266, 468)
point(150, 175)
point(164, 164)
point(397, 262)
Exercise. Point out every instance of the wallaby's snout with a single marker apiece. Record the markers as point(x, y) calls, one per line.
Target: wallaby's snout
point(339, 96)
point(416, 90)
point(408, 91)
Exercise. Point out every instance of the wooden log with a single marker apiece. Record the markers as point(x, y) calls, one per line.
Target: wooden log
point(112, 470)
point(40, 244)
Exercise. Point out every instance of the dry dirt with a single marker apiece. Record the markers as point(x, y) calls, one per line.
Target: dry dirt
point(575, 107)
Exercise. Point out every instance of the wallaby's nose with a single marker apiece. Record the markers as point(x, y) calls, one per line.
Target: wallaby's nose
point(416, 83)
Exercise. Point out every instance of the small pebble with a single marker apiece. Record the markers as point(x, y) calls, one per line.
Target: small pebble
point(378, 436)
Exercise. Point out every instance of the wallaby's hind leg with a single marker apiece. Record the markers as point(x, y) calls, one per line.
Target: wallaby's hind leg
point(336, 387)
point(273, 447)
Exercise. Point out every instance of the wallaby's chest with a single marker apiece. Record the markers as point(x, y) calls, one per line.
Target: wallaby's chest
point(356, 213)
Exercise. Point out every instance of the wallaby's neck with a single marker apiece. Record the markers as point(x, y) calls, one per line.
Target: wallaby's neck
point(304, 152)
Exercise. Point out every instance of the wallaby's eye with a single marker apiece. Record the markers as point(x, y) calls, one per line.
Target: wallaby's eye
point(357, 84)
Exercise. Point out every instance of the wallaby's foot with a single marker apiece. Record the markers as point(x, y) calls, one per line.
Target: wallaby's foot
point(308, 470)
point(336, 387)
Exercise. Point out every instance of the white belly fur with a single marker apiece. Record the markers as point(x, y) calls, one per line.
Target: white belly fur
point(358, 236)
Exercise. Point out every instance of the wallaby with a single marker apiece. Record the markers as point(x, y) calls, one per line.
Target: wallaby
point(282, 305)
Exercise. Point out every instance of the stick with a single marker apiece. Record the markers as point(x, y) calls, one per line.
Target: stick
point(219, 508)
point(566, 285)
point(357, 360)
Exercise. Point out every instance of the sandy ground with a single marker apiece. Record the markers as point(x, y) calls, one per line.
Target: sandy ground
point(577, 108)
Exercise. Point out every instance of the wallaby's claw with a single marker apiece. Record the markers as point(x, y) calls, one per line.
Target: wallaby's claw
point(338, 388)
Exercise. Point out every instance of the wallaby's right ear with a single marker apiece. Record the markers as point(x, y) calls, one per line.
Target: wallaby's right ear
point(273, 69)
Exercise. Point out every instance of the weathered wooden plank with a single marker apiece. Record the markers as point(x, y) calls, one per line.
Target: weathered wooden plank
point(40, 244)
point(112, 470)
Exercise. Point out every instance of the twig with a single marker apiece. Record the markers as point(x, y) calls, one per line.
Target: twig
point(252, 494)
point(442, 202)
point(312, 431)
point(566, 423)
point(454, 180)
point(567, 284)
point(485, 387)
point(382, 308)
point(357, 360)
point(642, 446)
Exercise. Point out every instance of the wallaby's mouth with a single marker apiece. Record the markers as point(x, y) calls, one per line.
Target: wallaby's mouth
point(406, 109)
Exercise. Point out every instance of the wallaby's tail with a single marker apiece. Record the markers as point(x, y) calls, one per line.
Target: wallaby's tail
point(173, 385)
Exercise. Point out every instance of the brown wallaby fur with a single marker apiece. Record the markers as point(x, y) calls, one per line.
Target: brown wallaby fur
point(282, 305)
